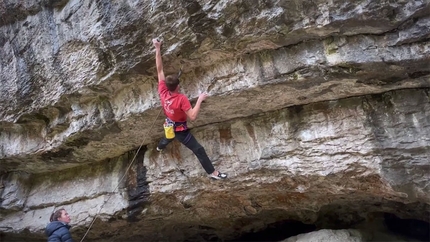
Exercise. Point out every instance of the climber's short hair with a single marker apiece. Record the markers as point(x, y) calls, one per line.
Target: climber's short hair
point(172, 82)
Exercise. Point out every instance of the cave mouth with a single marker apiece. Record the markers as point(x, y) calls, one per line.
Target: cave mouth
point(411, 228)
point(277, 231)
point(408, 229)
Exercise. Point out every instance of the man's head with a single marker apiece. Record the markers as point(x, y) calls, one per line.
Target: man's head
point(172, 82)
point(60, 215)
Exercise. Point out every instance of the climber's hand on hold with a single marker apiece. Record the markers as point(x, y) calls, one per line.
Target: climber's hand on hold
point(157, 43)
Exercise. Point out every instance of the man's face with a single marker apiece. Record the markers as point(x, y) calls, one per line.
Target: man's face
point(65, 218)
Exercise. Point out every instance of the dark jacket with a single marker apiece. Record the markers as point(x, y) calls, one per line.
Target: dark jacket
point(58, 232)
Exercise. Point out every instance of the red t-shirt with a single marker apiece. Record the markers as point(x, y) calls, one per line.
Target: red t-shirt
point(174, 105)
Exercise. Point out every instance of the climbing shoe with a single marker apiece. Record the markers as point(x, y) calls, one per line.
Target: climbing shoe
point(159, 150)
point(220, 176)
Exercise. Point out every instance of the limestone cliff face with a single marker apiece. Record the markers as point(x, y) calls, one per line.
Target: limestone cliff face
point(317, 110)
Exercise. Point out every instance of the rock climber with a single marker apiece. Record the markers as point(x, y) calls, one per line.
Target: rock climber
point(177, 108)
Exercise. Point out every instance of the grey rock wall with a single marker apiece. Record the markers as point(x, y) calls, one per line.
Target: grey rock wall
point(317, 109)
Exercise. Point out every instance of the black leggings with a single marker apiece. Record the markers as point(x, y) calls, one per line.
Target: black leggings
point(186, 138)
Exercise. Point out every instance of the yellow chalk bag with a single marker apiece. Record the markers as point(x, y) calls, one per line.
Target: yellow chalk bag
point(169, 130)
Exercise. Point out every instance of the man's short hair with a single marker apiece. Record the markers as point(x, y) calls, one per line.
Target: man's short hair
point(172, 82)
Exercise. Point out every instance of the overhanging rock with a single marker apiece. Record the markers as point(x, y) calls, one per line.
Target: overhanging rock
point(318, 110)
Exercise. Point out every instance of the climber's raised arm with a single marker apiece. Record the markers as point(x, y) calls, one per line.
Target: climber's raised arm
point(158, 60)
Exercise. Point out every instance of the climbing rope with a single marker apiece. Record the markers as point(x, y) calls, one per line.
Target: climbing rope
point(119, 182)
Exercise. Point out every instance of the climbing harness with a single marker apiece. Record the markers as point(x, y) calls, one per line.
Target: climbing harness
point(119, 182)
